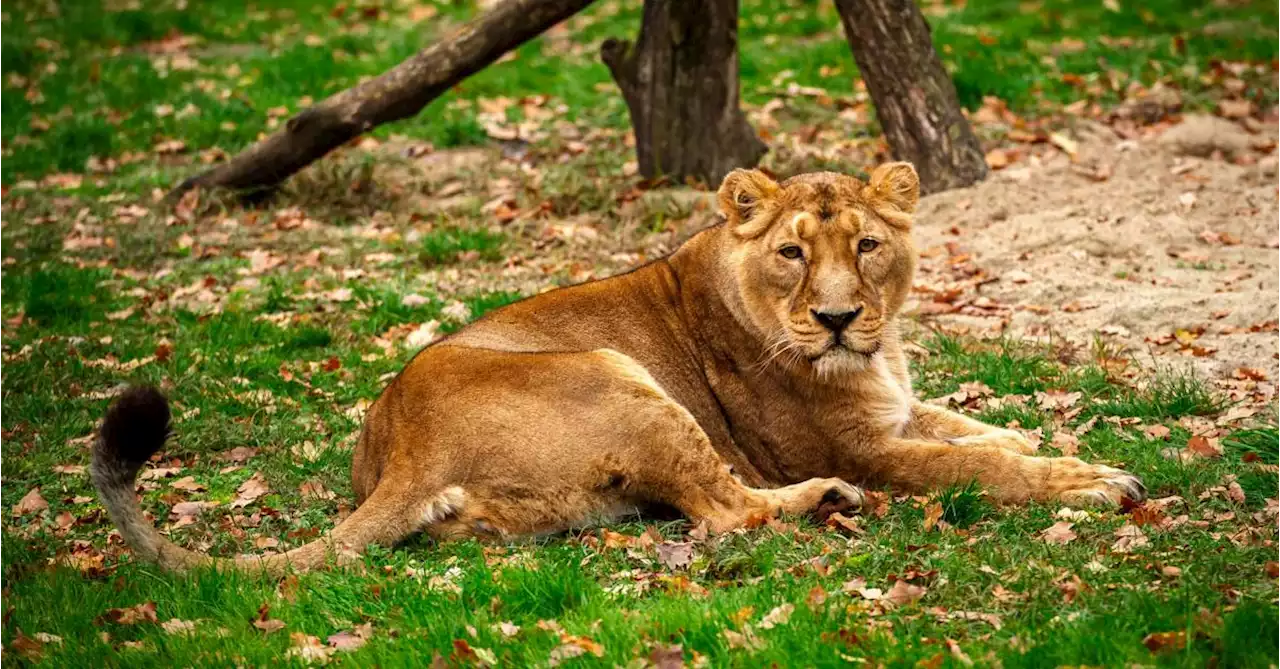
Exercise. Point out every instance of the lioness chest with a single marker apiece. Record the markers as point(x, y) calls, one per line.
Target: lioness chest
point(790, 433)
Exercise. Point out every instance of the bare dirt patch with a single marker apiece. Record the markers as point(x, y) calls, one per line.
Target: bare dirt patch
point(1169, 255)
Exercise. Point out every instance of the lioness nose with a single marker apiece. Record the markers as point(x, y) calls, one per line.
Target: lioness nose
point(836, 321)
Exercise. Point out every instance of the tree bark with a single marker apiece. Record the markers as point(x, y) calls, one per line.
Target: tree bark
point(914, 96)
point(397, 94)
point(680, 82)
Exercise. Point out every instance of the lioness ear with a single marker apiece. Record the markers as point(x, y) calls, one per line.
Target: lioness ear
point(896, 185)
point(742, 193)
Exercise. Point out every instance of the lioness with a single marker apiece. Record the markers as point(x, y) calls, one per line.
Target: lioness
point(756, 370)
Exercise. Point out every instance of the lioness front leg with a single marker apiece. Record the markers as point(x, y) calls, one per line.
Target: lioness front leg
point(919, 466)
point(669, 459)
point(934, 423)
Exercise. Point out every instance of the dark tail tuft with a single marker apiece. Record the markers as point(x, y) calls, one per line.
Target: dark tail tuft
point(136, 426)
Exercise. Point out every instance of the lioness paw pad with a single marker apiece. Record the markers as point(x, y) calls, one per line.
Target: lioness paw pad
point(839, 498)
point(1107, 487)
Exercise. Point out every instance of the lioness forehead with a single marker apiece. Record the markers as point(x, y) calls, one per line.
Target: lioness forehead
point(824, 194)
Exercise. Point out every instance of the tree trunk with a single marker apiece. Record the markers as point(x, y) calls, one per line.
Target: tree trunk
point(397, 94)
point(914, 96)
point(680, 82)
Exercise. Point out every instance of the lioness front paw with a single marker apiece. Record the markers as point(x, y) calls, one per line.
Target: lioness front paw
point(1079, 483)
point(999, 437)
point(838, 498)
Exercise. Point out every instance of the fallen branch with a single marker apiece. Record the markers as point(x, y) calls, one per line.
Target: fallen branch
point(399, 93)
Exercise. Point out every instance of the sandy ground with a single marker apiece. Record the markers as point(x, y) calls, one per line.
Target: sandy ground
point(1137, 243)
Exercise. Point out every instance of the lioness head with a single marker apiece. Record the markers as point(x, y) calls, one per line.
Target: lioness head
point(823, 261)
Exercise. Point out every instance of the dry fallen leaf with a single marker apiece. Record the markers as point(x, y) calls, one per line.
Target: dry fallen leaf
point(932, 514)
point(1128, 538)
point(308, 648)
point(745, 640)
point(142, 613)
point(845, 524)
point(1234, 492)
point(1059, 533)
point(176, 626)
point(675, 555)
point(265, 623)
point(1068, 145)
point(903, 593)
point(778, 616)
point(1204, 447)
point(188, 483)
point(250, 491)
point(998, 159)
point(30, 503)
point(316, 490)
point(1066, 442)
point(351, 640)
point(574, 646)
point(1158, 642)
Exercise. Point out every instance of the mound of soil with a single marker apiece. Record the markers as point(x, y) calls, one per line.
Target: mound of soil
point(1160, 247)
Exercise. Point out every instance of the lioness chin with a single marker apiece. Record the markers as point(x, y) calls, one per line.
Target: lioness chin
point(756, 370)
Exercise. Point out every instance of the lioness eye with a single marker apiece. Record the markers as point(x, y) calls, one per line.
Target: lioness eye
point(867, 245)
point(791, 252)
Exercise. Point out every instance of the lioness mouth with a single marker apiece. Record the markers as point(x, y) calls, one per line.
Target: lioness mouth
point(844, 347)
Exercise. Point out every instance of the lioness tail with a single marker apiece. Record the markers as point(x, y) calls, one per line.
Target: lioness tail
point(136, 427)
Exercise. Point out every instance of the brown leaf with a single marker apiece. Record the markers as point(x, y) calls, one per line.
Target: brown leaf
point(956, 652)
point(30, 503)
point(1129, 538)
point(932, 514)
point(574, 646)
point(998, 159)
point(817, 596)
point(1203, 447)
point(142, 613)
point(188, 483)
point(875, 503)
point(1059, 533)
point(667, 657)
point(778, 616)
point(239, 454)
point(745, 640)
point(315, 489)
point(265, 623)
point(1157, 642)
point(904, 593)
point(175, 626)
point(1066, 442)
point(250, 491)
point(26, 646)
point(844, 524)
point(308, 648)
point(1147, 514)
point(351, 640)
point(1234, 492)
point(675, 555)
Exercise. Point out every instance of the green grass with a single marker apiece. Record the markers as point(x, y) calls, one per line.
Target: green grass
point(423, 598)
point(450, 244)
point(85, 81)
point(269, 336)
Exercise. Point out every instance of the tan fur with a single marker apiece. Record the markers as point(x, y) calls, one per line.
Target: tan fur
point(703, 382)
